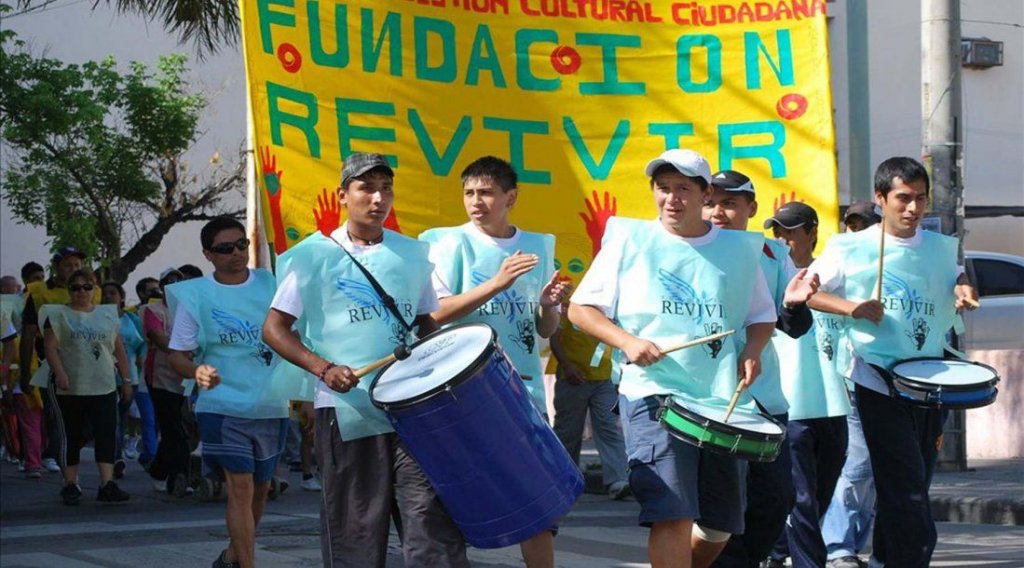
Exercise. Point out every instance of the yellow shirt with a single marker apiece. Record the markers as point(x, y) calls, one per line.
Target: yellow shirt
point(579, 349)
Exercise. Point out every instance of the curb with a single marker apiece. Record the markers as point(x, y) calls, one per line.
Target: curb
point(970, 510)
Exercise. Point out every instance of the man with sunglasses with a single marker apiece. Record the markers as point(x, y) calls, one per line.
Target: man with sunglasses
point(345, 325)
point(216, 339)
point(54, 290)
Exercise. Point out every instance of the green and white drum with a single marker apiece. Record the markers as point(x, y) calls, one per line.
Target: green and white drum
point(747, 435)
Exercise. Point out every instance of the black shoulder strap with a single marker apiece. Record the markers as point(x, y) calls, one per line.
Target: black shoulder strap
point(385, 298)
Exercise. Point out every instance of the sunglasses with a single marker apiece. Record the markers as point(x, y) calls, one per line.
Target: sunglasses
point(81, 288)
point(227, 248)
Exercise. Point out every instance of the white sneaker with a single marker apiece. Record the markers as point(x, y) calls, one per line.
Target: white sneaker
point(619, 490)
point(311, 484)
point(51, 465)
point(130, 447)
point(21, 466)
point(160, 486)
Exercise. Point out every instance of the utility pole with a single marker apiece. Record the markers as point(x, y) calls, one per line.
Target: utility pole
point(858, 86)
point(942, 136)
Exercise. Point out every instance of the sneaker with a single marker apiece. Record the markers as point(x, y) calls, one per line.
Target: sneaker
point(311, 484)
point(111, 493)
point(119, 466)
point(130, 447)
point(51, 465)
point(71, 494)
point(773, 563)
point(160, 486)
point(619, 490)
point(34, 474)
point(221, 563)
point(846, 562)
point(21, 466)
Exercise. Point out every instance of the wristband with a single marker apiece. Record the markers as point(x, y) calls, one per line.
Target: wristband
point(323, 372)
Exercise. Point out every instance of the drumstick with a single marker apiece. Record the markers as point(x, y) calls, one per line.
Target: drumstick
point(972, 302)
point(732, 403)
point(881, 260)
point(401, 353)
point(363, 371)
point(692, 342)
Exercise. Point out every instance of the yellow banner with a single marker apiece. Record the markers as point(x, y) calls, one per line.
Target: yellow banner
point(577, 94)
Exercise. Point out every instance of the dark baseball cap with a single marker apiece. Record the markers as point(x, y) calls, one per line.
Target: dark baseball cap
point(731, 180)
point(864, 209)
point(359, 163)
point(792, 215)
point(66, 252)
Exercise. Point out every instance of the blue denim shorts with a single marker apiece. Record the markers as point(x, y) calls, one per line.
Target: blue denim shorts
point(663, 470)
point(241, 445)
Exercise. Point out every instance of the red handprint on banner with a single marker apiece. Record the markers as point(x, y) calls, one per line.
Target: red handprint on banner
point(272, 181)
point(781, 201)
point(328, 213)
point(598, 219)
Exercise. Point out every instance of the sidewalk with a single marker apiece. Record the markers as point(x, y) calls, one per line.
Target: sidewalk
point(991, 492)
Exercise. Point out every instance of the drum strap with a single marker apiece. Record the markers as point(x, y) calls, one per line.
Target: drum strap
point(385, 298)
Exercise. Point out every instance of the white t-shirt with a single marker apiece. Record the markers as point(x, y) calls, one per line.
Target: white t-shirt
point(507, 245)
point(600, 285)
point(185, 332)
point(288, 300)
point(831, 270)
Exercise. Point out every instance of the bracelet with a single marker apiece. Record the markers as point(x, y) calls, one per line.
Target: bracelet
point(323, 372)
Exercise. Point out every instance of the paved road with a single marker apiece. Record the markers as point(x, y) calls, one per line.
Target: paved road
point(163, 532)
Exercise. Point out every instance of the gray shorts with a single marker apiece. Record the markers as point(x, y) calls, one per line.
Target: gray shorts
point(241, 445)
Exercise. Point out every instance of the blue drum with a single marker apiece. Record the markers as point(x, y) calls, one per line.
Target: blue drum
point(464, 415)
point(944, 383)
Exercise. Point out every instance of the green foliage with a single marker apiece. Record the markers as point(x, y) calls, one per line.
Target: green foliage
point(93, 149)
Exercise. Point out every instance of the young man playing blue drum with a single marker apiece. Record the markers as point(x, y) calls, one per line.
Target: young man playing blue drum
point(346, 324)
point(818, 404)
point(654, 282)
point(769, 491)
point(921, 287)
point(216, 340)
point(492, 272)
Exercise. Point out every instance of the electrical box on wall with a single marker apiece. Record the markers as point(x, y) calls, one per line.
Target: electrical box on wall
point(981, 53)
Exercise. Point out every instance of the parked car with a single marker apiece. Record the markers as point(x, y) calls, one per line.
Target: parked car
point(999, 322)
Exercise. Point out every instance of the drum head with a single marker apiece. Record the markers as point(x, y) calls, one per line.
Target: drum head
point(433, 362)
point(740, 419)
point(944, 372)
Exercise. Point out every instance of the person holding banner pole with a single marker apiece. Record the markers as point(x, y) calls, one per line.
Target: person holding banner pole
point(923, 287)
point(242, 418)
point(663, 263)
point(324, 293)
point(489, 268)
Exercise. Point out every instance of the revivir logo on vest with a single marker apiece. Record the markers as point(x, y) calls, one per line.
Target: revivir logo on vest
point(85, 332)
point(507, 303)
point(365, 305)
point(682, 299)
point(898, 296)
point(233, 330)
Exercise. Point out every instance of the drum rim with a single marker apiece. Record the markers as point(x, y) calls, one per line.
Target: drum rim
point(930, 387)
point(455, 381)
point(767, 439)
point(731, 429)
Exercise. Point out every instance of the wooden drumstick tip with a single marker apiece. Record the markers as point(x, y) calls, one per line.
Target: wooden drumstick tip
point(732, 403)
point(972, 302)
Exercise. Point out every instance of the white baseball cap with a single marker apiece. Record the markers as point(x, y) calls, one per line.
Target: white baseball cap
point(687, 162)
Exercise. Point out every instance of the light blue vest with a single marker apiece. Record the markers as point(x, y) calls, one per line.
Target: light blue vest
point(767, 389)
point(670, 291)
point(134, 346)
point(230, 320)
point(917, 293)
point(343, 318)
point(810, 381)
point(466, 260)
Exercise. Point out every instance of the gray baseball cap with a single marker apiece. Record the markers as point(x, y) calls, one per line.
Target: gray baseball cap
point(359, 163)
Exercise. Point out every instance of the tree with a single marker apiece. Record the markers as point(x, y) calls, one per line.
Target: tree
point(208, 24)
point(96, 155)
